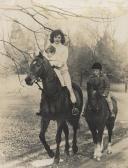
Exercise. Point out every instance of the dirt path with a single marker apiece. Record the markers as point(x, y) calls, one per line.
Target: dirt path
point(19, 128)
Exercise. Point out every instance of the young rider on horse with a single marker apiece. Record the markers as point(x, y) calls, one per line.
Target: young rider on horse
point(57, 54)
point(100, 82)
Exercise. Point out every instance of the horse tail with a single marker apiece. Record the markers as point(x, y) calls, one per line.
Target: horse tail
point(79, 92)
point(115, 108)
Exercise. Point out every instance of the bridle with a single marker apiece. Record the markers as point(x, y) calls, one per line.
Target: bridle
point(39, 87)
point(37, 80)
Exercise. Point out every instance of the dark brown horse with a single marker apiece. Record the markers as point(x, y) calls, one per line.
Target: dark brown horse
point(55, 105)
point(98, 117)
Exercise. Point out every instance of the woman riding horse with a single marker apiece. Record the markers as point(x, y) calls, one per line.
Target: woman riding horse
point(56, 103)
point(58, 59)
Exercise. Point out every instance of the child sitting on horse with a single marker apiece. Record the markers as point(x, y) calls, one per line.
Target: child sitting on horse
point(99, 81)
point(57, 54)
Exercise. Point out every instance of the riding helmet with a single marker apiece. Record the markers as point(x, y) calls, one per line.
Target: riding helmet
point(97, 65)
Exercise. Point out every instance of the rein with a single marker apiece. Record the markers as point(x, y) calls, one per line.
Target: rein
point(39, 87)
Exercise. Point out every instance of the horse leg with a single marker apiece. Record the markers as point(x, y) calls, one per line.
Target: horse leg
point(74, 142)
point(102, 143)
point(58, 141)
point(66, 132)
point(44, 126)
point(94, 136)
point(109, 147)
point(99, 143)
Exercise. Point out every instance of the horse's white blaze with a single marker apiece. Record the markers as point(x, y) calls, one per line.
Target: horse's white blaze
point(109, 148)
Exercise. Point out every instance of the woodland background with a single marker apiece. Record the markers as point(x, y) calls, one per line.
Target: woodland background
point(90, 34)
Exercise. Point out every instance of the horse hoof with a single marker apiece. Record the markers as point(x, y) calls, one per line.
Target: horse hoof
point(94, 157)
point(54, 165)
point(109, 152)
point(98, 158)
point(75, 149)
point(56, 161)
point(66, 157)
point(102, 150)
point(67, 153)
point(51, 154)
point(109, 149)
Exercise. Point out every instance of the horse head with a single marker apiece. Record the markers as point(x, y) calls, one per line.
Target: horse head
point(38, 69)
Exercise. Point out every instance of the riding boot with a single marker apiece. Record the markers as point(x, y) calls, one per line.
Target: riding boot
point(85, 109)
point(75, 110)
point(83, 114)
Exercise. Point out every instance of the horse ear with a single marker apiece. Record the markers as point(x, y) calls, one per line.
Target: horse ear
point(40, 54)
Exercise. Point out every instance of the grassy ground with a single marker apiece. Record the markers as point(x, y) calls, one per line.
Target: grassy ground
point(19, 126)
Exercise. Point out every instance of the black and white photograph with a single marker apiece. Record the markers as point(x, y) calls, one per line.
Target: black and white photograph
point(63, 83)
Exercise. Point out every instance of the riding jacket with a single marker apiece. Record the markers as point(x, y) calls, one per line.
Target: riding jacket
point(100, 84)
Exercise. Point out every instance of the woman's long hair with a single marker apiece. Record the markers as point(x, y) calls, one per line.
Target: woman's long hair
point(56, 33)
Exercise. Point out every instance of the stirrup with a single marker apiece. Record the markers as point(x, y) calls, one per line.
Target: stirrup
point(38, 113)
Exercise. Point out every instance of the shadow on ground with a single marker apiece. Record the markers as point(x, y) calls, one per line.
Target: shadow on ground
point(74, 161)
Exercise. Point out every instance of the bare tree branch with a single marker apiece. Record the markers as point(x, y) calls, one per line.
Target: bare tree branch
point(37, 12)
point(37, 41)
point(5, 54)
point(14, 62)
point(18, 22)
point(54, 11)
point(63, 12)
point(21, 51)
point(32, 16)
